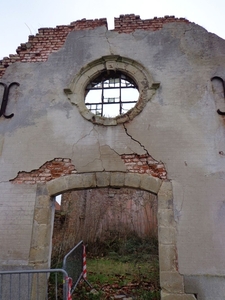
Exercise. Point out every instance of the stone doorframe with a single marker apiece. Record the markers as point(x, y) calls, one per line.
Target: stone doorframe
point(171, 282)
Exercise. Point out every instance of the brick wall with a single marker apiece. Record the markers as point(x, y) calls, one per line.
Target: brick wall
point(46, 41)
point(49, 40)
point(144, 164)
point(129, 23)
point(50, 170)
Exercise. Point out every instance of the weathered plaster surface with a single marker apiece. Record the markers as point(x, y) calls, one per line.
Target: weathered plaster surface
point(179, 127)
point(16, 215)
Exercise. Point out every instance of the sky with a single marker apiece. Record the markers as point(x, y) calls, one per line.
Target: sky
point(21, 18)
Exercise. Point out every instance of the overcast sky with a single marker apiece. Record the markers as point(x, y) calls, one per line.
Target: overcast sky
point(21, 18)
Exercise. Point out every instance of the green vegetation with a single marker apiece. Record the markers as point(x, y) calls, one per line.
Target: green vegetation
point(126, 267)
point(119, 266)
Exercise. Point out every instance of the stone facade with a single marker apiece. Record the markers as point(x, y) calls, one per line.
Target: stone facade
point(171, 144)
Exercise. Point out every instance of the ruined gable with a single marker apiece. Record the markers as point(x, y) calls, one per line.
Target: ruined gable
point(171, 143)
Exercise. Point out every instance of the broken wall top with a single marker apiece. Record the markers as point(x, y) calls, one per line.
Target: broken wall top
point(48, 40)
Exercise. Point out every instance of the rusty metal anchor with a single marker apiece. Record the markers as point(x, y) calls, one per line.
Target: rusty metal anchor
point(5, 99)
point(223, 83)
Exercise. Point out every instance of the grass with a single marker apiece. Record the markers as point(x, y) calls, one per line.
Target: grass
point(121, 266)
point(131, 270)
point(107, 270)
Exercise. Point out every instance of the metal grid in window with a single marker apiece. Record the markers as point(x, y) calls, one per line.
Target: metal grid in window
point(111, 94)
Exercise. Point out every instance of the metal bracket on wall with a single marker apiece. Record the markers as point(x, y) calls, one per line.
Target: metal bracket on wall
point(223, 83)
point(5, 99)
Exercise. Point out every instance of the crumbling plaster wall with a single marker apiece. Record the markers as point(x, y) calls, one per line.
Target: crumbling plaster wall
point(179, 127)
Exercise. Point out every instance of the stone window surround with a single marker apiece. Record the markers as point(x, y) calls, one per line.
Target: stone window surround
point(146, 86)
point(171, 281)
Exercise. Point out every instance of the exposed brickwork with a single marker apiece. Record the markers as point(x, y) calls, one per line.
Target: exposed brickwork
point(144, 164)
point(48, 40)
point(50, 170)
point(129, 23)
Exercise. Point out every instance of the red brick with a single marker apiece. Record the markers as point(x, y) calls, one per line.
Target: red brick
point(43, 47)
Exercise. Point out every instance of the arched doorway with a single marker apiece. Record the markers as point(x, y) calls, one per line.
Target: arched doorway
point(170, 280)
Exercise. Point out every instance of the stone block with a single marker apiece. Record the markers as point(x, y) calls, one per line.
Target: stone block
point(42, 215)
point(132, 180)
point(165, 195)
point(167, 258)
point(57, 186)
point(117, 179)
point(39, 255)
point(165, 217)
point(42, 201)
point(81, 181)
point(39, 235)
point(150, 183)
point(171, 282)
point(102, 179)
point(166, 296)
point(167, 235)
point(41, 189)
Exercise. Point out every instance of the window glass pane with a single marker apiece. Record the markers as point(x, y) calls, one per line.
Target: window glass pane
point(126, 107)
point(114, 93)
point(94, 96)
point(111, 110)
point(129, 95)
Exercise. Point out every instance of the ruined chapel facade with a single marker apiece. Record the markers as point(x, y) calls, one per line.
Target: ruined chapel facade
point(170, 143)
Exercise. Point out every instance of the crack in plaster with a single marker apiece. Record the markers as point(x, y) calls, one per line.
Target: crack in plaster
point(107, 39)
point(178, 212)
point(103, 138)
point(84, 136)
point(99, 146)
point(142, 146)
point(111, 149)
point(96, 159)
point(99, 149)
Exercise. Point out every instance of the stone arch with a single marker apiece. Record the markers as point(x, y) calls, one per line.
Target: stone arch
point(172, 283)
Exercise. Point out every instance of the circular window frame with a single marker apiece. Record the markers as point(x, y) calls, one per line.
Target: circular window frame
point(146, 87)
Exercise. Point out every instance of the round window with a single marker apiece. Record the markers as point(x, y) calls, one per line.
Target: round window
point(111, 90)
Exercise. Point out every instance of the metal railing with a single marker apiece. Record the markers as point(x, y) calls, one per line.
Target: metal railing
point(43, 284)
point(73, 264)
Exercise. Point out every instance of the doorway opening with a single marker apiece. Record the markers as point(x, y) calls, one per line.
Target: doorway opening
point(171, 281)
point(119, 228)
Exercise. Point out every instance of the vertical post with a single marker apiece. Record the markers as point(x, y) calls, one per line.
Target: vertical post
point(84, 263)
